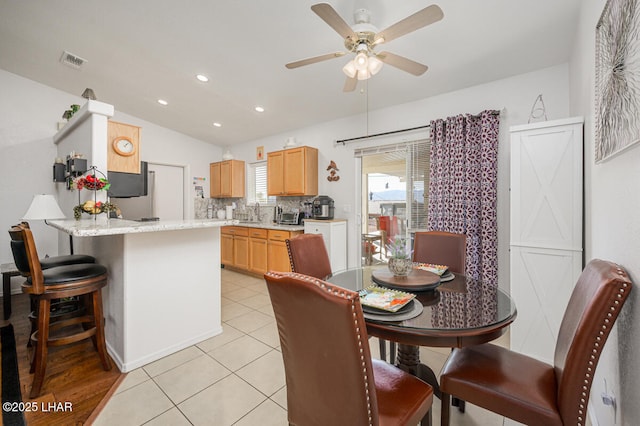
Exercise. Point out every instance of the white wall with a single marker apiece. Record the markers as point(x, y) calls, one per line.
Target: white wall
point(515, 95)
point(29, 113)
point(612, 231)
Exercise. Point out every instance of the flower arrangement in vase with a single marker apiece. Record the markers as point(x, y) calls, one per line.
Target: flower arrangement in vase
point(400, 262)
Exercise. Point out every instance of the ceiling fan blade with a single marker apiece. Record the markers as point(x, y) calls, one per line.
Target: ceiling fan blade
point(350, 84)
point(315, 59)
point(331, 17)
point(402, 63)
point(422, 18)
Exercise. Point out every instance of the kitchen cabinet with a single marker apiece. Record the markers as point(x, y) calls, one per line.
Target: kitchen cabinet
point(235, 247)
point(278, 256)
point(255, 250)
point(258, 251)
point(293, 172)
point(334, 233)
point(546, 240)
point(227, 179)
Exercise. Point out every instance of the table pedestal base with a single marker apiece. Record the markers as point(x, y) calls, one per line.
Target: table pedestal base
point(409, 360)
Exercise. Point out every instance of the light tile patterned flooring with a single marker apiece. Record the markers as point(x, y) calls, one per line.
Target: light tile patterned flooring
point(236, 378)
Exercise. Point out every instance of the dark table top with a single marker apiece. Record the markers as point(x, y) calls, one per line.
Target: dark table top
point(457, 313)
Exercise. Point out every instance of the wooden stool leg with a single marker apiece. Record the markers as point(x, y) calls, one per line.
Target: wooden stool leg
point(39, 364)
point(99, 338)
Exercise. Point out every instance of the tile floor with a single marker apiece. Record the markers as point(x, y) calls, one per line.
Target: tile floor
point(236, 378)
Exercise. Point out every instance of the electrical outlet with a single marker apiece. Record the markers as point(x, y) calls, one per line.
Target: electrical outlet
point(608, 399)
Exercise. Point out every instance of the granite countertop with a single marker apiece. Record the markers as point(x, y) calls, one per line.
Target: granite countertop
point(262, 225)
point(104, 226)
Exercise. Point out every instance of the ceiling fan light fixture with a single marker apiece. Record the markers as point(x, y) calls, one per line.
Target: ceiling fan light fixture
point(375, 65)
point(350, 69)
point(361, 61)
point(364, 74)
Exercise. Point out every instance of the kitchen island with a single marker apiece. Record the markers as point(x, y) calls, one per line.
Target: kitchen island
point(163, 293)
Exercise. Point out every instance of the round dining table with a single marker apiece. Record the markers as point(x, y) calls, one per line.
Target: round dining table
point(459, 312)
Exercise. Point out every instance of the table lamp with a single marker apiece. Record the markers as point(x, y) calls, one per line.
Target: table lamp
point(43, 207)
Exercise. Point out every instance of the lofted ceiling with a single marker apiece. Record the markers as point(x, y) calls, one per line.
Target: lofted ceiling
point(140, 51)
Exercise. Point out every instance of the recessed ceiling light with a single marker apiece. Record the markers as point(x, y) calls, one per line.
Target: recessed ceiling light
point(259, 108)
point(216, 124)
point(163, 102)
point(202, 78)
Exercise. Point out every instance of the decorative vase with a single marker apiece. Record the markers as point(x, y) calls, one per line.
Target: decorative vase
point(400, 267)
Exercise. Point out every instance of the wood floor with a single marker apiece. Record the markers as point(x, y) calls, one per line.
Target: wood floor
point(75, 382)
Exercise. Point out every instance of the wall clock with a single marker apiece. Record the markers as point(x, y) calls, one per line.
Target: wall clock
point(124, 146)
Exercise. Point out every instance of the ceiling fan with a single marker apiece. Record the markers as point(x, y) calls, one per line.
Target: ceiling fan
point(363, 38)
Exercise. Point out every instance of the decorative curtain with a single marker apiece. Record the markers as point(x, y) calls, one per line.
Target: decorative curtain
point(463, 187)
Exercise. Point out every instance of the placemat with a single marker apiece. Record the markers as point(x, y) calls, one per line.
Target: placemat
point(417, 310)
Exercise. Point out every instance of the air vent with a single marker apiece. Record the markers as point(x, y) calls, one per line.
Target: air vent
point(71, 60)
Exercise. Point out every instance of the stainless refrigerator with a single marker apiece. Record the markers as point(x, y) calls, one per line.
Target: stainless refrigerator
point(140, 208)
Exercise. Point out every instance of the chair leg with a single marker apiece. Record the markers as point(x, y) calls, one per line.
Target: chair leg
point(39, 364)
point(392, 352)
point(427, 419)
point(99, 337)
point(444, 409)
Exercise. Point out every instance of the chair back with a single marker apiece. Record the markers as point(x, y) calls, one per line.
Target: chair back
point(308, 255)
point(25, 256)
point(325, 350)
point(591, 312)
point(388, 224)
point(441, 248)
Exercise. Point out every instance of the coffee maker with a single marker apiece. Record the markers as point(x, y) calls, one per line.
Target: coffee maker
point(323, 207)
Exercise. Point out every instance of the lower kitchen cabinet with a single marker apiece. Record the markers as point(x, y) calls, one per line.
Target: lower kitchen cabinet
point(234, 250)
point(334, 234)
point(256, 250)
point(278, 256)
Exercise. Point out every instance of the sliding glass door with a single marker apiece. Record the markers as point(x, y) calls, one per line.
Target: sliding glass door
point(394, 190)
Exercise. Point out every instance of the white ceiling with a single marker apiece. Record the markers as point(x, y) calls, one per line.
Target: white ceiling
point(142, 50)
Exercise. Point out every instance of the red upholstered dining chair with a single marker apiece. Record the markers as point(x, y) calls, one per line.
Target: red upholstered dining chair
point(533, 392)
point(308, 255)
point(441, 248)
point(330, 376)
point(79, 280)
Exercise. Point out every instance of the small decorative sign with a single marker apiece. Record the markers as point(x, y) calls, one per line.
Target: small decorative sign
point(260, 153)
point(333, 172)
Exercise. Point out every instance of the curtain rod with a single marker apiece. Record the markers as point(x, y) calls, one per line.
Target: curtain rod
point(344, 141)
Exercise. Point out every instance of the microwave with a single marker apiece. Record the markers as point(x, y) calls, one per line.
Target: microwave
point(290, 218)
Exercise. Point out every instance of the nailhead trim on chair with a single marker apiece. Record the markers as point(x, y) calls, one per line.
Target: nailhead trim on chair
point(336, 291)
point(595, 352)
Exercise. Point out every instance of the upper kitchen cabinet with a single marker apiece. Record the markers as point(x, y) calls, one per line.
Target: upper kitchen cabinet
point(227, 179)
point(123, 147)
point(293, 172)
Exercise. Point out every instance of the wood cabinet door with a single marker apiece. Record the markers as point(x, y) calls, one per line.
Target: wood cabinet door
point(241, 252)
point(214, 181)
point(258, 253)
point(294, 171)
point(225, 179)
point(278, 256)
point(275, 173)
point(226, 249)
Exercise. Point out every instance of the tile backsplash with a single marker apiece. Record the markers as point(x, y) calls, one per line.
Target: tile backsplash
point(242, 209)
